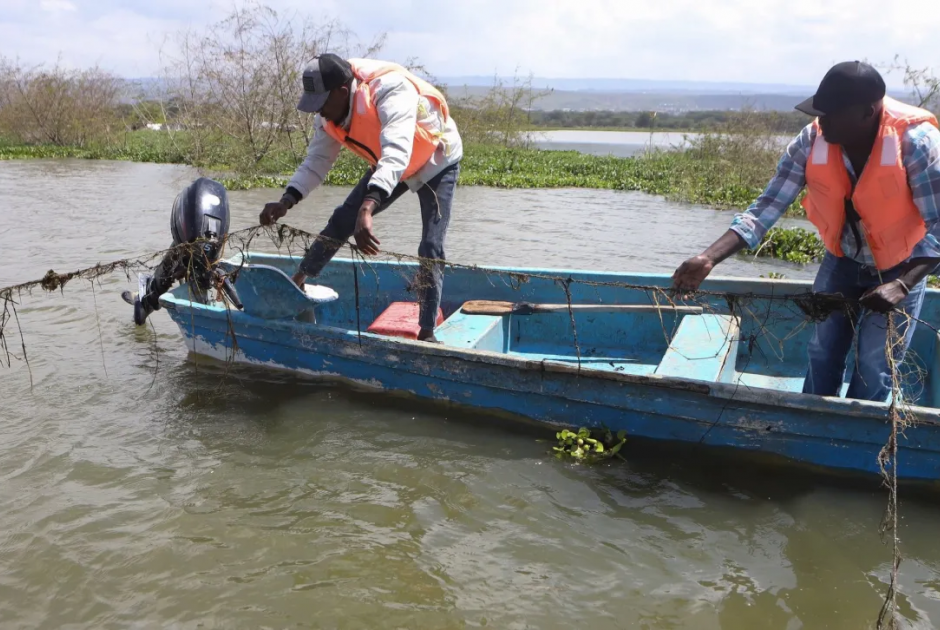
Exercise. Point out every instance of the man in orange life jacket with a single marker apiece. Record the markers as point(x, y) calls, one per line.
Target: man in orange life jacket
point(871, 168)
point(401, 125)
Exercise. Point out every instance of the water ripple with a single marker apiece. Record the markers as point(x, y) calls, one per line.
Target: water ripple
point(141, 490)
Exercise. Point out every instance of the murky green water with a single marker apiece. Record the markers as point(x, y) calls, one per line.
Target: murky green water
point(138, 490)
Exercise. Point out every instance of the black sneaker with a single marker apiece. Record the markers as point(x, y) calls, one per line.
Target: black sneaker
point(429, 338)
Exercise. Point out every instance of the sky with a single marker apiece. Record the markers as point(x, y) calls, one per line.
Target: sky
point(755, 41)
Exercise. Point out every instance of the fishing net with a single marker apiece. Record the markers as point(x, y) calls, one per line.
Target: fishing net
point(760, 340)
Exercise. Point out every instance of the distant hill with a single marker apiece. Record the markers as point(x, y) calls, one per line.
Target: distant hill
point(660, 101)
point(614, 86)
point(612, 94)
point(647, 101)
point(647, 94)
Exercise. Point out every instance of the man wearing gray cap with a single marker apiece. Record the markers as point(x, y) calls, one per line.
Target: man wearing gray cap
point(401, 125)
point(871, 169)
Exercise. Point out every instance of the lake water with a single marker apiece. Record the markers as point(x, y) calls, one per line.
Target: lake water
point(139, 489)
point(617, 143)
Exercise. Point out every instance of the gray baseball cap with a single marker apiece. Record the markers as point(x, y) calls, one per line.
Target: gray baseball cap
point(323, 74)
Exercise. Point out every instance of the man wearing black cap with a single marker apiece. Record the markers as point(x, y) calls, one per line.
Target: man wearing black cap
point(401, 125)
point(871, 169)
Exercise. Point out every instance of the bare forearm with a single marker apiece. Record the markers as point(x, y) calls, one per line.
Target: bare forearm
point(916, 270)
point(729, 244)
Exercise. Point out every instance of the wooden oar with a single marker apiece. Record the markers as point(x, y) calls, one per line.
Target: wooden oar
point(487, 307)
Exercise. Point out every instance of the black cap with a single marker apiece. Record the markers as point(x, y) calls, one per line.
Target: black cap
point(322, 74)
point(846, 84)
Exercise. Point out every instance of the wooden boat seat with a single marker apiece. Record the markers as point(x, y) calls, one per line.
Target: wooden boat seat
point(704, 348)
point(269, 293)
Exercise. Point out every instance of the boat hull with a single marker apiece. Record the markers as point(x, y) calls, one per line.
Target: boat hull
point(829, 432)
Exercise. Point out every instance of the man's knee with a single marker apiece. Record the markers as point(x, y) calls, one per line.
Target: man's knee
point(871, 381)
point(432, 249)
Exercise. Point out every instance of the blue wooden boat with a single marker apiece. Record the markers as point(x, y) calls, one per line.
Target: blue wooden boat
point(708, 376)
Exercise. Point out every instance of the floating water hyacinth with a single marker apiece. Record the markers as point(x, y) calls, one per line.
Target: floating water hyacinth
point(588, 447)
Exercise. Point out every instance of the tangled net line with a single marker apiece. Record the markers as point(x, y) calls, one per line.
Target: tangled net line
point(813, 307)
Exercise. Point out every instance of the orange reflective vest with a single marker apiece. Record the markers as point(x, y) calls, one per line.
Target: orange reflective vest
point(364, 135)
point(891, 222)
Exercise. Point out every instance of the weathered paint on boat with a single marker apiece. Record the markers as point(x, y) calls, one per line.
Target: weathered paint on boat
point(717, 378)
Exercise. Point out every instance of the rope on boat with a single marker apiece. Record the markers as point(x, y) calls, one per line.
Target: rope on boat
point(814, 307)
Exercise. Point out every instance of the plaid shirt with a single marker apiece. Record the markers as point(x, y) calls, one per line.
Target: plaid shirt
point(920, 150)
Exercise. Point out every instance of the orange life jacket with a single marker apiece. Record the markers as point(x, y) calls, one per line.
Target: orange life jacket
point(882, 197)
point(364, 135)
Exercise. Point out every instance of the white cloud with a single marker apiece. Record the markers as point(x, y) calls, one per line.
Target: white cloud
point(767, 41)
point(57, 6)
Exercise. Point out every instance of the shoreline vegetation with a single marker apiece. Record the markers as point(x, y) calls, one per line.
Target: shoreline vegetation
point(225, 103)
point(721, 171)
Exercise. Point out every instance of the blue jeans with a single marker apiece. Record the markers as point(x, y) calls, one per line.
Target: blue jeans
point(436, 198)
point(830, 345)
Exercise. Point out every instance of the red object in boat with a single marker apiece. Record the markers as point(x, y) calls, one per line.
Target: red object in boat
point(400, 319)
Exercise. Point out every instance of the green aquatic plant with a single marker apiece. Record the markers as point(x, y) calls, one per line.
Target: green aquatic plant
point(795, 245)
point(587, 446)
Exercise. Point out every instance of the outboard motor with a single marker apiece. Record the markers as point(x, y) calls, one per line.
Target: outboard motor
point(201, 213)
point(200, 216)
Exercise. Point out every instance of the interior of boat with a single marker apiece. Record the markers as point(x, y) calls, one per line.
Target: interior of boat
point(762, 345)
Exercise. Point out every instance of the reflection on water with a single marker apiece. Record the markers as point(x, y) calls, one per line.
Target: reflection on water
point(139, 489)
